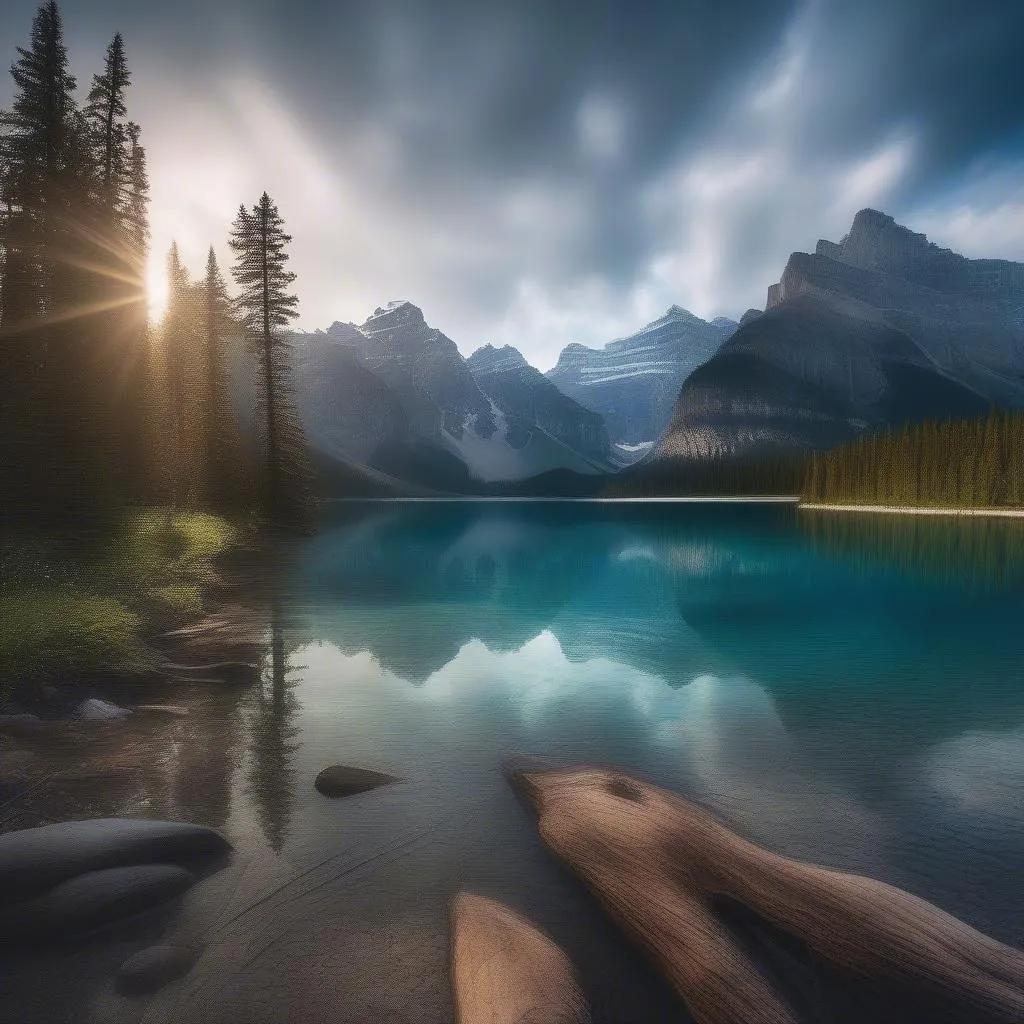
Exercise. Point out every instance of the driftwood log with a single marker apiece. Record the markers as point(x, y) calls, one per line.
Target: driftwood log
point(504, 971)
point(662, 867)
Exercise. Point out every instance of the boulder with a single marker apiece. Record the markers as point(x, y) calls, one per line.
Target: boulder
point(92, 900)
point(344, 780)
point(34, 860)
point(96, 710)
point(153, 967)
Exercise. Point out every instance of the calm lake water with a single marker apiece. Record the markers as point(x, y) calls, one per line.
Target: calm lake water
point(848, 690)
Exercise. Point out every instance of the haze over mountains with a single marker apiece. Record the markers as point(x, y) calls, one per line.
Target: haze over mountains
point(877, 329)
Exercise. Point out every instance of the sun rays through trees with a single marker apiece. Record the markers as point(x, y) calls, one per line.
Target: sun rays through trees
point(99, 406)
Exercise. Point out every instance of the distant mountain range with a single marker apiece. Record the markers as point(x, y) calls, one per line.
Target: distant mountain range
point(634, 382)
point(880, 328)
point(394, 399)
point(877, 329)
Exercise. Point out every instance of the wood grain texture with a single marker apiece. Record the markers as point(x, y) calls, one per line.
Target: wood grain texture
point(658, 864)
point(504, 971)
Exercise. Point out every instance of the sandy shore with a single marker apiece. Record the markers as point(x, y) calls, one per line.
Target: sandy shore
point(1001, 513)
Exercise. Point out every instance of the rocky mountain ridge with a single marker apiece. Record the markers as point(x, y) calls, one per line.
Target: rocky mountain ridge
point(633, 382)
point(875, 330)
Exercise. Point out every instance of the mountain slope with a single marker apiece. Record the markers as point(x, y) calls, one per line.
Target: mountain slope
point(395, 396)
point(878, 329)
point(633, 382)
point(530, 401)
point(802, 376)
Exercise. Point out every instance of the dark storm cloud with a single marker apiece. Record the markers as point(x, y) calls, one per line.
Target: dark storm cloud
point(556, 170)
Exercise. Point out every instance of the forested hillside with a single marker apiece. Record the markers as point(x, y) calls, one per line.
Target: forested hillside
point(964, 463)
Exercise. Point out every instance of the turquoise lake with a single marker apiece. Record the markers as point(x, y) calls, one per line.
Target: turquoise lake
point(844, 689)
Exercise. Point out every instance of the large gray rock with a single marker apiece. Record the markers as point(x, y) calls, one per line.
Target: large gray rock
point(92, 900)
point(152, 968)
point(37, 859)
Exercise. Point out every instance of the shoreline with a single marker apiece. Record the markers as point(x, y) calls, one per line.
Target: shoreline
point(914, 510)
point(747, 499)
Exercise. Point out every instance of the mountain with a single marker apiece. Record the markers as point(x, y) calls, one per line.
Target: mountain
point(394, 399)
point(633, 382)
point(880, 328)
point(531, 402)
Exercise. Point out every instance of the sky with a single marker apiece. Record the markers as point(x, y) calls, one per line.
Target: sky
point(539, 172)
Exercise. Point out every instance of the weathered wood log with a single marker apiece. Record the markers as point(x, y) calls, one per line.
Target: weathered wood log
point(504, 971)
point(658, 863)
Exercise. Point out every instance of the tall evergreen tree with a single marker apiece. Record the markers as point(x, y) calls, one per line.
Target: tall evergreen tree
point(223, 451)
point(49, 393)
point(177, 343)
point(266, 307)
point(138, 421)
point(105, 112)
point(40, 133)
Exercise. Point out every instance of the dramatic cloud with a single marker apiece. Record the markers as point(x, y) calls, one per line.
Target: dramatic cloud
point(539, 173)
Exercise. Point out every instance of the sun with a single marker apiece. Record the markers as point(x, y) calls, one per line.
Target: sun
point(156, 288)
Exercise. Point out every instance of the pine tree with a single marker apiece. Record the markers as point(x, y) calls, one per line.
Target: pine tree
point(136, 203)
point(104, 112)
point(223, 477)
point(138, 422)
point(177, 342)
point(49, 380)
point(266, 307)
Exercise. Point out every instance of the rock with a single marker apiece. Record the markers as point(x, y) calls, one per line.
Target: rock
point(505, 971)
point(34, 860)
point(167, 709)
point(92, 900)
point(95, 710)
point(152, 968)
point(50, 693)
point(343, 780)
point(20, 723)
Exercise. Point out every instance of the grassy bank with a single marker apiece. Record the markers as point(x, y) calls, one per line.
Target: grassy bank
point(84, 603)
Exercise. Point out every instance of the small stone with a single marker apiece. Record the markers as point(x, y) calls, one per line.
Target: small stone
point(152, 968)
point(96, 710)
point(344, 780)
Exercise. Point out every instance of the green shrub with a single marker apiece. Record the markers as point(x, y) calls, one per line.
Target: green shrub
point(175, 603)
point(48, 632)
